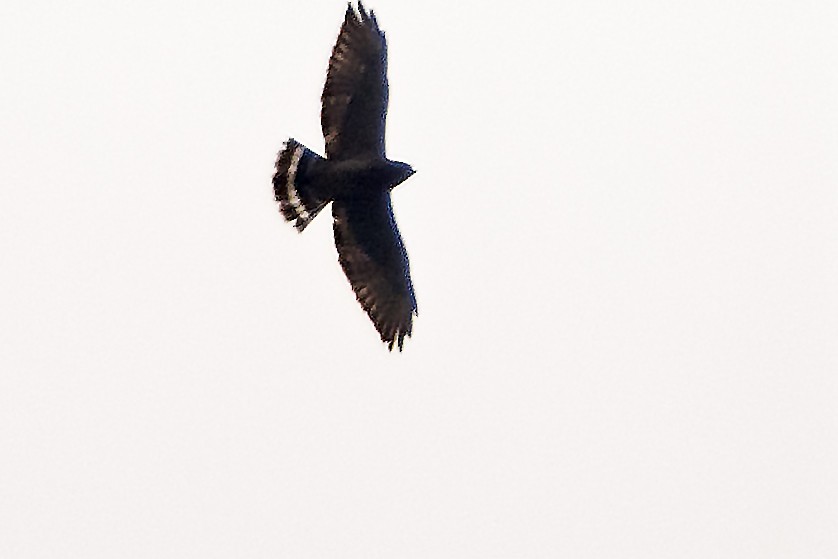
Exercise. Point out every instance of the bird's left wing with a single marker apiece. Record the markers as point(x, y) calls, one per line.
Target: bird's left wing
point(374, 259)
point(355, 95)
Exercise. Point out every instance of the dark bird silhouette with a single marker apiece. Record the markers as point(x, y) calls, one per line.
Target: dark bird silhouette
point(356, 177)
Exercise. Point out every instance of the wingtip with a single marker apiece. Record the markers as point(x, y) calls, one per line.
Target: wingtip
point(360, 17)
point(350, 13)
point(397, 340)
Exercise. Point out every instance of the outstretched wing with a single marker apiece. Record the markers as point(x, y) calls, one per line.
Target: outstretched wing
point(373, 257)
point(355, 95)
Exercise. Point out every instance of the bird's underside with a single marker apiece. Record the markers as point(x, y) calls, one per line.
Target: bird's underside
point(356, 178)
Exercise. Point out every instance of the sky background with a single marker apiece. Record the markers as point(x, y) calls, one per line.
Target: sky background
point(622, 234)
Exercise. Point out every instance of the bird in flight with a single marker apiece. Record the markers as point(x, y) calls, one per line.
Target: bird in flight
point(356, 177)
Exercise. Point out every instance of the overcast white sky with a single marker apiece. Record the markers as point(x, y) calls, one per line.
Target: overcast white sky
point(623, 235)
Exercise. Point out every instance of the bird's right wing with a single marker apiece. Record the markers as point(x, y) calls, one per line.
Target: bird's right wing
point(372, 255)
point(355, 95)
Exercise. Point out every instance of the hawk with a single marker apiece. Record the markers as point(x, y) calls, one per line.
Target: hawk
point(356, 177)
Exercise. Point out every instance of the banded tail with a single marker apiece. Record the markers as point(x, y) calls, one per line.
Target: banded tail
point(293, 184)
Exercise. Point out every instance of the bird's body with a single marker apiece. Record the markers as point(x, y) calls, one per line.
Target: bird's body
point(356, 177)
point(359, 178)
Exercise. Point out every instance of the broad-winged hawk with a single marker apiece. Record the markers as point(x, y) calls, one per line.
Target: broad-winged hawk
point(356, 177)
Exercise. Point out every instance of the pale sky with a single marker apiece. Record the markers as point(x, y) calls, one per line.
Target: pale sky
point(622, 234)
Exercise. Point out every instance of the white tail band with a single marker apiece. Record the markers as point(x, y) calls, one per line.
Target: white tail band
point(293, 199)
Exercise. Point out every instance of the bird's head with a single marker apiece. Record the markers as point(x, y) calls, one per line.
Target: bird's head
point(400, 172)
